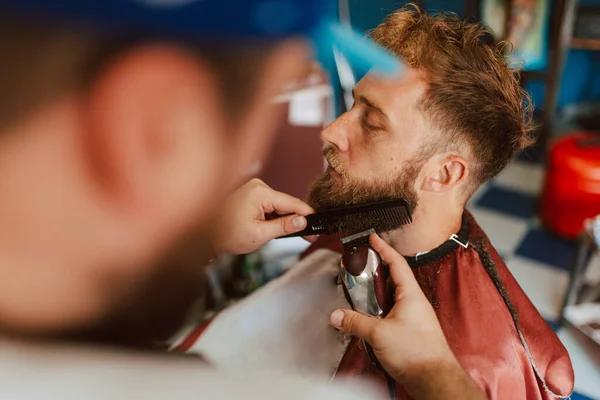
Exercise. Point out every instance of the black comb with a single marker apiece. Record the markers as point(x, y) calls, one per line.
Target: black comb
point(382, 216)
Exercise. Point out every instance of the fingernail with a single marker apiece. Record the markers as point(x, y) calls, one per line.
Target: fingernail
point(298, 222)
point(337, 318)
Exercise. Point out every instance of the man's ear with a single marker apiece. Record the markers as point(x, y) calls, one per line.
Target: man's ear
point(285, 63)
point(153, 131)
point(445, 171)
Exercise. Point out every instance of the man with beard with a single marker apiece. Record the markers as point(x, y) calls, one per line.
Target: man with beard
point(121, 132)
point(433, 136)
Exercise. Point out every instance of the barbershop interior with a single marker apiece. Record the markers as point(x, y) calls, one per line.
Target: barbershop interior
point(541, 212)
point(464, 133)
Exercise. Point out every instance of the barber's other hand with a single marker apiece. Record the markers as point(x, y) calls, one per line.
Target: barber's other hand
point(242, 227)
point(409, 342)
point(410, 334)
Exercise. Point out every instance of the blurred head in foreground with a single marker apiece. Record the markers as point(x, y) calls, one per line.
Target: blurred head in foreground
point(112, 149)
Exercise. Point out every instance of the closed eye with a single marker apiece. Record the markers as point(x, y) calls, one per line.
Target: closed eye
point(370, 127)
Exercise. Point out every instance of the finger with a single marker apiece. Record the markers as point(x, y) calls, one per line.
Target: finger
point(283, 203)
point(281, 226)
point(353, 323)
point(311, 239)
point(400, 272)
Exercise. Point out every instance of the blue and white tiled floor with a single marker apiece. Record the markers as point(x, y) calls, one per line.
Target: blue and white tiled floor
point(506, 209)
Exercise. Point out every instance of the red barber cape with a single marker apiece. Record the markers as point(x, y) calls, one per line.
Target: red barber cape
point(528, 362)
point(509, 354)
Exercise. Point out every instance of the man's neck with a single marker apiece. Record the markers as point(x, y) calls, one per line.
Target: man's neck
point(432, 225)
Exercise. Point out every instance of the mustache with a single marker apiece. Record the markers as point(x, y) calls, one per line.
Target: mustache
point(333, 159)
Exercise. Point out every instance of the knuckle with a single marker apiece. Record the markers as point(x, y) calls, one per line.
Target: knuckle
point(385, 256)
point(351, 322)
point(382, 246)
point(258, 189)
point(378, 334)
point(256, 234)
point(394, 257)
point(256, 183)
point(391, 254)
point(285, 224)
point(382, 250)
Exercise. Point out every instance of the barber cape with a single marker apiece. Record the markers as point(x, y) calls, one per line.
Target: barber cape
point(493, 329)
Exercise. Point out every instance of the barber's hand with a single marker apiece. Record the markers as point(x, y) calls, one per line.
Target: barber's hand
point(242, 226)
point(410, 334)
point(409, 342)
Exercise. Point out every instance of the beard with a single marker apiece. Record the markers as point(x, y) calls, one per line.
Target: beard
point(329, 193)
point(150, 307)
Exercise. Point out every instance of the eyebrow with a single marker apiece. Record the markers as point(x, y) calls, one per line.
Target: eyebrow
point(363, 99)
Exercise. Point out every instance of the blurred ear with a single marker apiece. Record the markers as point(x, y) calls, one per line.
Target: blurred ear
point(153, 132)
point(285, 63)
point(445, 171)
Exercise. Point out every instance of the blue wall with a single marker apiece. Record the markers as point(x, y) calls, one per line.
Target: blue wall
point(366, 14)
point(581, 79)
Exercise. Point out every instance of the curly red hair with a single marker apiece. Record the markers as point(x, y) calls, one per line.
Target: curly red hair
point(473, 94)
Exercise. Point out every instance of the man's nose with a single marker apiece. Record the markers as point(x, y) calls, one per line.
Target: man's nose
point(336, 134)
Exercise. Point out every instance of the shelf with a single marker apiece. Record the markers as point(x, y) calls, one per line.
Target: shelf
point(585, 44)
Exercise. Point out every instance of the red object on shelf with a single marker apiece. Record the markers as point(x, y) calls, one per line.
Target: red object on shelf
point(572, 189)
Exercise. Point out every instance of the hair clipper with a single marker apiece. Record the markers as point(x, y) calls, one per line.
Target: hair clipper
point(364, 279)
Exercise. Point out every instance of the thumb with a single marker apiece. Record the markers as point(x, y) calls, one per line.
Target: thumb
point(356, 324)
point(283, 226)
